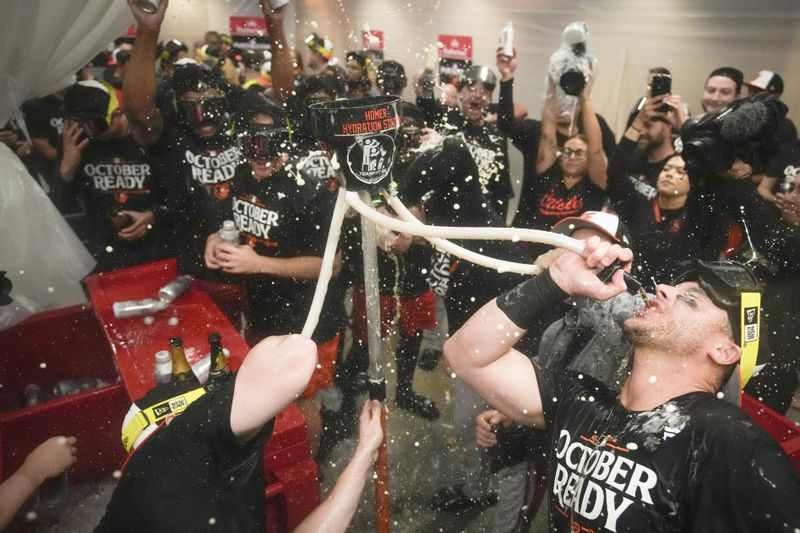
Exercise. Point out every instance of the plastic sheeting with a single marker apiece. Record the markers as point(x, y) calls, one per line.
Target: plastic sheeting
point(43, 257)
point(43, 43)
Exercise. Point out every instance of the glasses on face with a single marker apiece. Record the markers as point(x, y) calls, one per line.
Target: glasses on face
point(569, 153)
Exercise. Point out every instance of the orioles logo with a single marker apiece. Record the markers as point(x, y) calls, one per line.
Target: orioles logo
point(222, 190)
point(121, 197)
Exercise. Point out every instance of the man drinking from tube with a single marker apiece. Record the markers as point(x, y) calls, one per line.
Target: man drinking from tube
point(666, 454)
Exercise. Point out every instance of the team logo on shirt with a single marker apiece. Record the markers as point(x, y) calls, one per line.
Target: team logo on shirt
point(118, 177)
point(210, 167)
point(317, 166)
point(487, 160)
point(57, 123)
point(255, 220)
point(552, 206)
point(221, 190)
point(370, 158)
point(790, 172)
point(596, 481)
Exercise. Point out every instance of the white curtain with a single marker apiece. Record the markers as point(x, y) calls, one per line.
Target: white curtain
point(42, 44)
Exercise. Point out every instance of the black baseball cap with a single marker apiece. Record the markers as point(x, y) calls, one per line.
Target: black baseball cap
point(87, 100)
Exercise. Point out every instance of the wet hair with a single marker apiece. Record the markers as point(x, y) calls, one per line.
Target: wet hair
point(729, 72)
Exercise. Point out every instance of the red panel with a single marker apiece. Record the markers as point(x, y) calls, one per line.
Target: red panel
point(248, 26)
point(135, 343)
point(455, 47)
point(293, 488)
point(783, 430)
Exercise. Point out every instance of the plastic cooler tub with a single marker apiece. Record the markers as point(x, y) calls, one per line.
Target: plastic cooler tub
point(46, 348)
point(292, 484)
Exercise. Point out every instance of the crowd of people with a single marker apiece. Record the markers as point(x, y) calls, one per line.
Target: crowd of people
point(149, 158)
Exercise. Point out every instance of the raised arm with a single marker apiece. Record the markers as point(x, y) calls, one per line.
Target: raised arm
point(139, 86)
point(597, 161)
point(290, 360)
point(334, 514)
point(548, 144)
point(282, 67)
point(481, 353)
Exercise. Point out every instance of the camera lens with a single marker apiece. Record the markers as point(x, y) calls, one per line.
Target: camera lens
point(573, 82)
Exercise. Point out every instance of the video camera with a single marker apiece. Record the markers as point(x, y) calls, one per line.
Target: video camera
point(743, 130)
point(571, 64)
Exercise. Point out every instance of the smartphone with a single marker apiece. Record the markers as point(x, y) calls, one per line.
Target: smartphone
point(660, 84)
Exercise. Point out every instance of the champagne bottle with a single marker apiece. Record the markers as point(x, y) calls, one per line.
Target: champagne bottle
point(219, 366)
point(181, 371)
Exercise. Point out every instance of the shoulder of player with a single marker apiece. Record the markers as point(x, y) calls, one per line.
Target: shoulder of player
point(723, 424)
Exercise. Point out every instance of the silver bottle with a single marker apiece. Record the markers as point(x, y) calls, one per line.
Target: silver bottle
point(169, 292)
point(133, 308)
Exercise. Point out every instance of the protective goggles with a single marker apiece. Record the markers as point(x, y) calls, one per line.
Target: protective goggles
point(263, 143)
point(203, 112)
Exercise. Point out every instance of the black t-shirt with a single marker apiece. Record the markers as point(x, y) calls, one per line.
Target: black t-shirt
point(786, 164)
point(44, 121)
point(197, 179)
point(489, 149)
point(446, 177)
point(549, 200)
point(642, 173)
point(116, 175)
point(284, 216)
point(694, 463)
point(662, 238)
point(487, 145)
point(190, 472)
point(404, 274)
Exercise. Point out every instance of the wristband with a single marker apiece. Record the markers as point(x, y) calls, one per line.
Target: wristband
point(638, 130)
point(531, 299)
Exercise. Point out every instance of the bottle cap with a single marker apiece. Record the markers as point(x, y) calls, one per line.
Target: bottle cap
point(228, 225)
point(163, 356)
point(175, 341)
point(214, 338)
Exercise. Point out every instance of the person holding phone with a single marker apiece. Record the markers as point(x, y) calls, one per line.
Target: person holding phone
point(122, 191)
point(647, 143)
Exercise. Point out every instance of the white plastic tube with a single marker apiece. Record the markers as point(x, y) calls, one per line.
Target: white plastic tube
point(369, 251)
point(450, 232)
point(460, 251)
point(326, 270)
